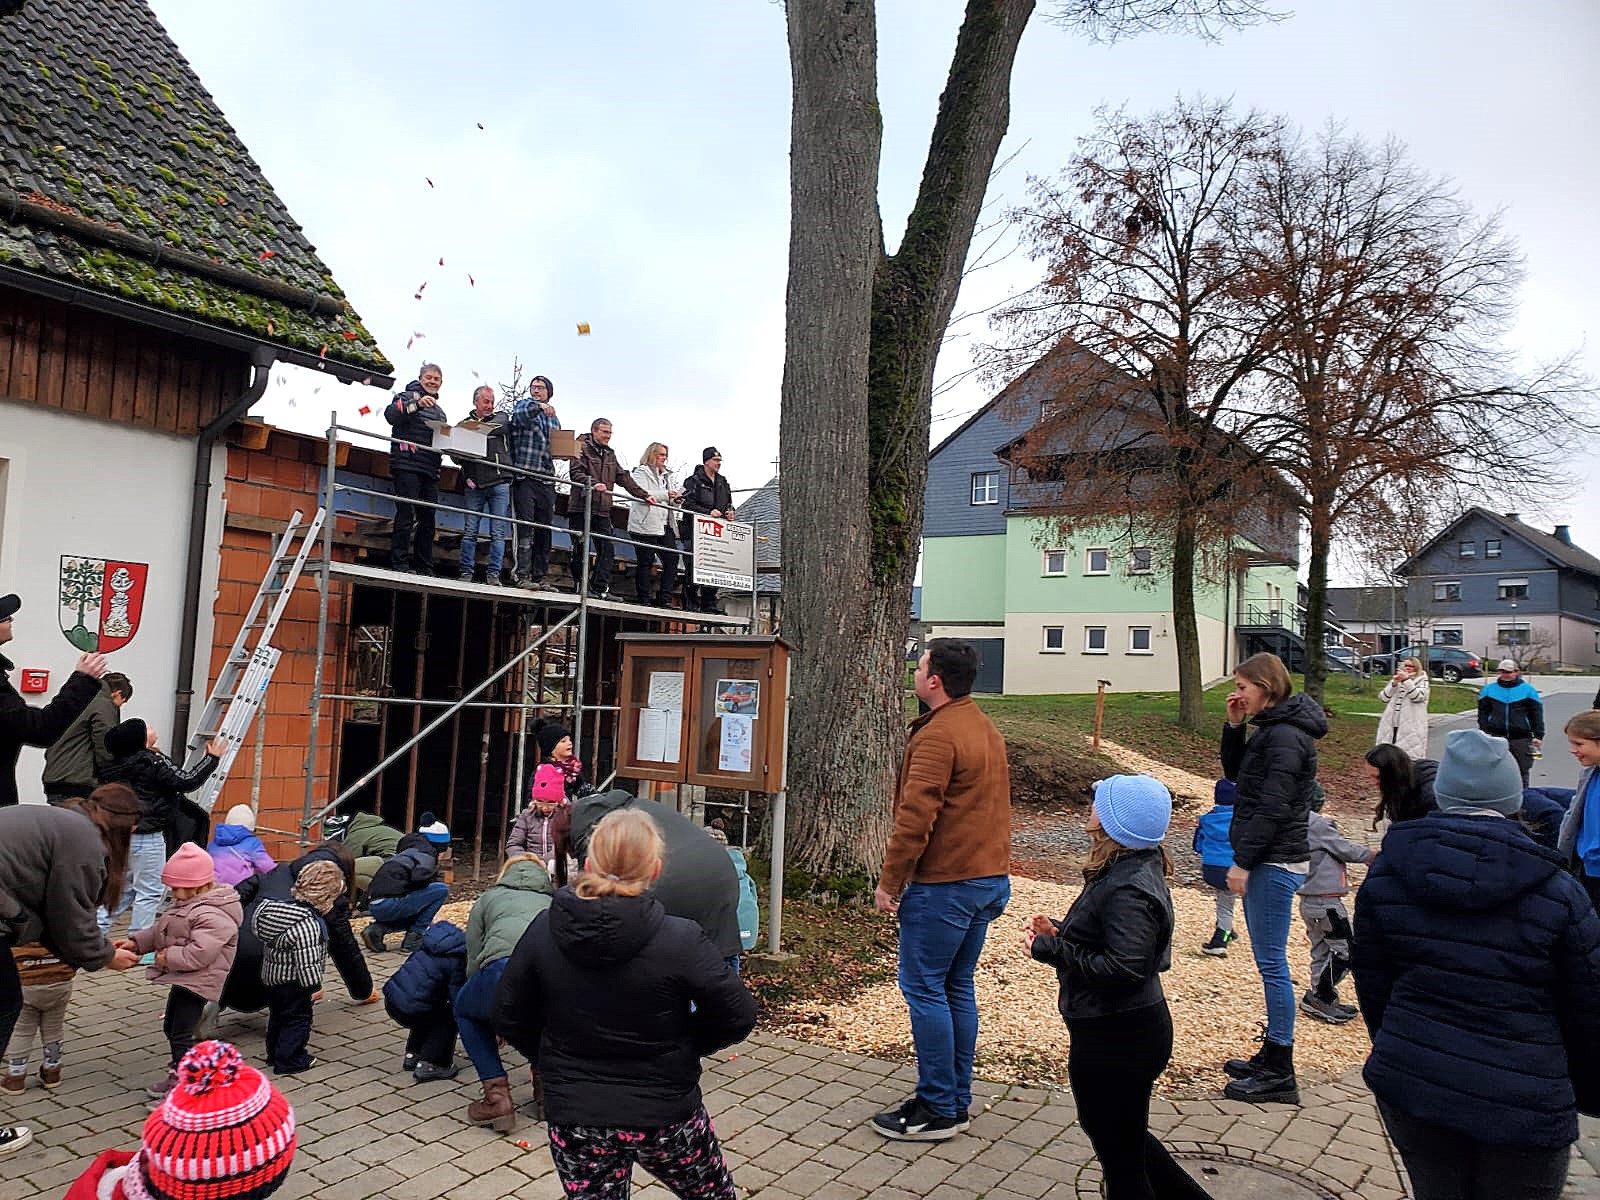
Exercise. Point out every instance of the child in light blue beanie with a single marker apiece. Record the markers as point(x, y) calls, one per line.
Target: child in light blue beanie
point(1212, 844)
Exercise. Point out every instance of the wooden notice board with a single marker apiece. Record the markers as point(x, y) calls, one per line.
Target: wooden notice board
point(704, 709)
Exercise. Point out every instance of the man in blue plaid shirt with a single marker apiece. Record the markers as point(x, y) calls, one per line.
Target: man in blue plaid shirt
point(532, 419)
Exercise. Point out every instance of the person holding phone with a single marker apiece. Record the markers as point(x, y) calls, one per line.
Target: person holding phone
point(1405, 710)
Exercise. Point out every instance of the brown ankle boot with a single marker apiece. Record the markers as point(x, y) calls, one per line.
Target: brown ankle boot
point(495, 1108)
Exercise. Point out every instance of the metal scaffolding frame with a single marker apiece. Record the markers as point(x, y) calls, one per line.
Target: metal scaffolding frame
point(585, 610)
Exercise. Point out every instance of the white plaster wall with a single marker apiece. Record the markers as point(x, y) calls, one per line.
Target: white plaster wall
point(1032, 672)
point(81, 486)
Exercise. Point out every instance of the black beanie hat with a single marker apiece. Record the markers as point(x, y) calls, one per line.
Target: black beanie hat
point(709, 453)
point(127, 738)
point(547, 734)
point(549, 388)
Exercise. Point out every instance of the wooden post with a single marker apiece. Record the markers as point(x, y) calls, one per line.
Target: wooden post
point(1100, 709)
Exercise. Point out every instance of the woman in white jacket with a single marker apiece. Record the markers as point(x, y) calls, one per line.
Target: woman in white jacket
point(650, 527)
point(1405, 710)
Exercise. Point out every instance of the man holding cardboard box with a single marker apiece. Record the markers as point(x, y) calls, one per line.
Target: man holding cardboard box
point(415, 470)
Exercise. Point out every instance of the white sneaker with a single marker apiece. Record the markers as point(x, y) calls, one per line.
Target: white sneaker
point(14, 1137)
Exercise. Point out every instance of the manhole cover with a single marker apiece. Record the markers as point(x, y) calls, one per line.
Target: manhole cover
point(1227, 1179)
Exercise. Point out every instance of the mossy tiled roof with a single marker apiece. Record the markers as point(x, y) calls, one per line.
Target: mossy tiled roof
point(102, 119)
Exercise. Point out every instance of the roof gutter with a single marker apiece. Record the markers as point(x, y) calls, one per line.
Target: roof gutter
point(194, 569)
point(68, 292)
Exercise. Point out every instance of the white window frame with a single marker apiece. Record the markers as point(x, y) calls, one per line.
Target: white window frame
point(1465, 549)
point(1149, 646)
point(1088, 639)
point(992, 492)
point(1491, 547)
point(1044, 639)
point(1044, 566)
point(1088, 560)
point(1443, 629)
point(1523, 627)
point(1500, 586)
point(1597, 641)
point(1438, 591)
point(1150, 560)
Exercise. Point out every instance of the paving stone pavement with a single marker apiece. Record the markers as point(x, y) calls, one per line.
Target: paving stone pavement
point(792, 1116)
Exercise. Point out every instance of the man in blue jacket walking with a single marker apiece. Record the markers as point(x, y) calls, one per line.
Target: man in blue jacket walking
point(1510, 708)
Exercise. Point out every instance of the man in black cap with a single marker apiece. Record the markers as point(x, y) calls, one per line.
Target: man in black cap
point(22, 725)
point(706, 491)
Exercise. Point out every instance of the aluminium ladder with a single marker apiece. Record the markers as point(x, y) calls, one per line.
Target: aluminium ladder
point(240, 690)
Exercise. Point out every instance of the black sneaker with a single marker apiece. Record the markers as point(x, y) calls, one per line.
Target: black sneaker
point(13, 1138)
point(409, 1062)
point(429, 1072)
point(372, 935)
point(1349, 1008)
point(913, 1121)
point(1329, 1011)
point(1217, 947)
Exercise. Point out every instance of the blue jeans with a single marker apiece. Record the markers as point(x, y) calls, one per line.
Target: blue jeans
point(475, 1018)
point(147, 856)
point(942, 926)
point(414, 911)
point(1268, 909)
point(496, 501)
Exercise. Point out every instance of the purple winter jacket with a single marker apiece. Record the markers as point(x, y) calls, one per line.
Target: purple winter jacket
point(238, 854)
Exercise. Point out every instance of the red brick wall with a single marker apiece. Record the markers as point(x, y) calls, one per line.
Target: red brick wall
point(271, 484)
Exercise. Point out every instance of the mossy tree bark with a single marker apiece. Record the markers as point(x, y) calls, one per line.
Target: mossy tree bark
point(863, 333)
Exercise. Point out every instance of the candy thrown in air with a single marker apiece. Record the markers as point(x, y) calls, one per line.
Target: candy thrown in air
point(583, 329)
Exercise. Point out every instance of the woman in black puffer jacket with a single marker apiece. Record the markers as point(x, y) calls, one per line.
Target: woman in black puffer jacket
point(615, 1002)
point(1274, 771)
point(1477, 964)
point(1109, 952)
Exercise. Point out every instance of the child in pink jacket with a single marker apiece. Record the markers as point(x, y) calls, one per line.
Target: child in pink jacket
point(194, 939)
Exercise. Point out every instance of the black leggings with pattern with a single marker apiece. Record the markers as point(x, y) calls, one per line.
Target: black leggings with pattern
point(597, 1164)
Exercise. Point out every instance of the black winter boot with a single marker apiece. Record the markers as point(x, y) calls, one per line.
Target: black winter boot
point(1243, 1068)
point(1273, 1081)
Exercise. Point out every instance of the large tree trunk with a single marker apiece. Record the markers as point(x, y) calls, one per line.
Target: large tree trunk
point(1317, 599)
point(862, 337)
point(1185, 626)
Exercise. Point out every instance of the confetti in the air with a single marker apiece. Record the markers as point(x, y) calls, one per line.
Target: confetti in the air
point(429, 181)
point(471, 282)
point(583, 329)
point(421, 287)
point(441, 262)
point(365, 410)
point(480, 126)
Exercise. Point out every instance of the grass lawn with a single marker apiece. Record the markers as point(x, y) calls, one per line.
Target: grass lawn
point(1147, 721)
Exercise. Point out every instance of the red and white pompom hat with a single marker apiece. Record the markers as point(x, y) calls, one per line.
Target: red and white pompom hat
point(223, 1133)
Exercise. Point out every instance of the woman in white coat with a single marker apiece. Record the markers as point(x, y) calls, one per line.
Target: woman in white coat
point(650, 527)
point(1405, 710)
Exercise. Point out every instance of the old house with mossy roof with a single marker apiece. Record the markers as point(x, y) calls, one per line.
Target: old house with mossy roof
point(150, 279)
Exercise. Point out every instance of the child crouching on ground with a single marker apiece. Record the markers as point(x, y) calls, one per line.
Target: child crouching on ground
point(223, 1130)
point(1216, 859)
point(194, 939)
point(294, 947)
point(1327, 920)
point(406, 892)
point(46, 993)
point(420, 997)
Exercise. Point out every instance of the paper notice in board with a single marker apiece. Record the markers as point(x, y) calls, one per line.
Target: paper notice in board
point(734, 753)
point(666, 690)
point(658, 735)
point(652, 735)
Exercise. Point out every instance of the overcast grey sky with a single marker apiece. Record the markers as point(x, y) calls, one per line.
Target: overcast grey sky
point(632, 173)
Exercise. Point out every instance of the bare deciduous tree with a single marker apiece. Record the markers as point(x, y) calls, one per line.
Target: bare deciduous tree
point(863, 332)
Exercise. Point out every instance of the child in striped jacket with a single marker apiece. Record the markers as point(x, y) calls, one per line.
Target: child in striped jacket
point(294, 950)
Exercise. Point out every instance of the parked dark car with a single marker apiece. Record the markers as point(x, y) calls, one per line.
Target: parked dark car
point(1342, 658)
point(1449, 663)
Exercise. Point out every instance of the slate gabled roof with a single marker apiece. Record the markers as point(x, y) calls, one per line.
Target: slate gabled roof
point(762, 508)
point(1562, 554)
point(119, 174)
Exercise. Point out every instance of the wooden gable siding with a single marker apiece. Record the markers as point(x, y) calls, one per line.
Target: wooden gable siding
point(65, 357)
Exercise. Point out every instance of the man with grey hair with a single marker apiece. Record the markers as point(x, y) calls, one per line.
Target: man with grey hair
point(487, 483)
point(414, 467)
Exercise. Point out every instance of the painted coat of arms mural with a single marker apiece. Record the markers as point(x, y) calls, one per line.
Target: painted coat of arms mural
point(101, 601)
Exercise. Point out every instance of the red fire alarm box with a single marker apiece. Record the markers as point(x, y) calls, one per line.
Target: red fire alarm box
point(35, 680)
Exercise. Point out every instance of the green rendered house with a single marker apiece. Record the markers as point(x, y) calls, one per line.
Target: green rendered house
point(1056, 615)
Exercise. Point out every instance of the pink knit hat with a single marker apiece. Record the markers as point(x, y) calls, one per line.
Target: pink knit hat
point(189, 867)
point(549, 784)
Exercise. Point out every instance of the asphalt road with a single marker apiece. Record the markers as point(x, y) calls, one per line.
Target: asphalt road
point(1563, 696)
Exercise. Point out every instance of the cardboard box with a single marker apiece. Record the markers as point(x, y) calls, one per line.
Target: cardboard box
point(465, 438)
point(563, 443)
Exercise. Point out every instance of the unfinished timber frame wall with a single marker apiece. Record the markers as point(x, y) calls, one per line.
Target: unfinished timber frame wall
point(401, 693)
